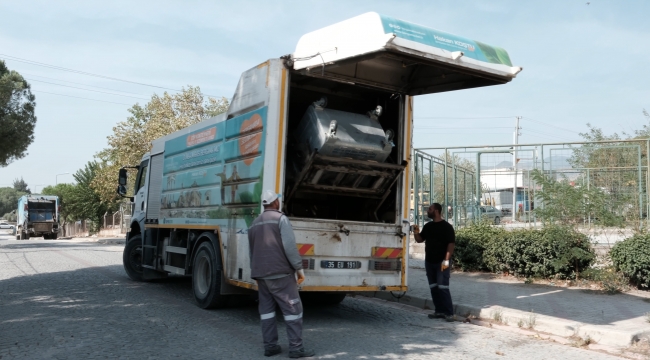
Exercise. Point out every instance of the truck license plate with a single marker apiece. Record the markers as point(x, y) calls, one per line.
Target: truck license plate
point(327, 264)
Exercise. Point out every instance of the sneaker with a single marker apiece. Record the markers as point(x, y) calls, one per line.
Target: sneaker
point(273, 351)
point(450, 318)
point(294, 354)
point(437, 316)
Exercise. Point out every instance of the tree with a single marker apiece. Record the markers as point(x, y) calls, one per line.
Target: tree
point(64, 192)
point(84, 202)
point(565, 203)
point(9, 200)
point(17, 119)
point(132, 138)
point(21, 185)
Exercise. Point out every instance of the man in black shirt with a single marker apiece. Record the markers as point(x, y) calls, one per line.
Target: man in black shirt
point(439, 238)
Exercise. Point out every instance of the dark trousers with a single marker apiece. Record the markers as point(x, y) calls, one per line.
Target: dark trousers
point(439, 286)
point(284, 293)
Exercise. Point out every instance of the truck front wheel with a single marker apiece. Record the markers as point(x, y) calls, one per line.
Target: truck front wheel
point(132, 258)
point(206, 277)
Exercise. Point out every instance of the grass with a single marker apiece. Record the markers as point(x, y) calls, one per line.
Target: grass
point(530, 321)
point(497, 316)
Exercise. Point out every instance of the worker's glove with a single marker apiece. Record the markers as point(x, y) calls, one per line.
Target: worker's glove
point(445, 265)
point(301, 276)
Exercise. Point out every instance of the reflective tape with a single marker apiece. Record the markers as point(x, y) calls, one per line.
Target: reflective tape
point(443, 286)
point(432, 285)
point(292, 317)
point(267, 316)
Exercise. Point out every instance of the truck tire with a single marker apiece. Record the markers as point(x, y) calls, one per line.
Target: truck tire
point(46, 237)
point(206, 277)
point(54, 236)
point(132, 258)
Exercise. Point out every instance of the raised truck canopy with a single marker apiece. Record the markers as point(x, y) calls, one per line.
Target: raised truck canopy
point(401, 57)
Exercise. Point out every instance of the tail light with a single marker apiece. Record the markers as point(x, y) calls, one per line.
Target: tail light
point(308, 264)
point(25, 207)
point(385, 265)
point(58, 209)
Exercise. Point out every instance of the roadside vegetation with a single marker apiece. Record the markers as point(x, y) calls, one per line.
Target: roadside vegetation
point(93, 194)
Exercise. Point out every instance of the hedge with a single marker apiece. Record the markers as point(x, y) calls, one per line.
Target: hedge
point(632, 257)
point(551, 251)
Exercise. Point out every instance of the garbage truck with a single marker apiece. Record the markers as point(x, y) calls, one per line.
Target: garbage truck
point(37, 215)
point(329, 127)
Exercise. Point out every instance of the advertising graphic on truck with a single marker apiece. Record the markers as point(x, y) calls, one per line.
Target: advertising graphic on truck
point(328, 127)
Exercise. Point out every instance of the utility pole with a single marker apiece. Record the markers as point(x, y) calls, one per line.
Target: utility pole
point(514, 161)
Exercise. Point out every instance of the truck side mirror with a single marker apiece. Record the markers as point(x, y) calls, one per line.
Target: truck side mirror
point(121, 190)
point(122, 178)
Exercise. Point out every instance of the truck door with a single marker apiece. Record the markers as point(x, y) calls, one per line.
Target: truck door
point(140, 201)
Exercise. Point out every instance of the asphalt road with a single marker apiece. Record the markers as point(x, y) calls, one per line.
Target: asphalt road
point(63, 299)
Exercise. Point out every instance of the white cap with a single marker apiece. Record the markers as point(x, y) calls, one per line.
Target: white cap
point(268, 197)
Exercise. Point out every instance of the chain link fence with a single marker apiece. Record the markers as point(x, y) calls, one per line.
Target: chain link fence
point(119, 220)
point(517, 185)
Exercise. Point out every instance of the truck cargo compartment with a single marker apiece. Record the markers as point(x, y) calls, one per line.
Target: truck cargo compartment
point(343, 157)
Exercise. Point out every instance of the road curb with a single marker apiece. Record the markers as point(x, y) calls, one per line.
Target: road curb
point(527, 320)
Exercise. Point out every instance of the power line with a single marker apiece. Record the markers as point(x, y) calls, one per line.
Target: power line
point(31, 62)
point(468, 128)
point(97, 91)
point(465, 118)
point(551, 136)
point(79, 97)
point(555, 126)
point(34, 92)
point(72, 82)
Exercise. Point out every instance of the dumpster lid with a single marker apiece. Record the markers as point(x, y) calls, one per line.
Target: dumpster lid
point(398, 56)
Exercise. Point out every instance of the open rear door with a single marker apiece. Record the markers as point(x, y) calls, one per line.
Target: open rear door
point(382, 52)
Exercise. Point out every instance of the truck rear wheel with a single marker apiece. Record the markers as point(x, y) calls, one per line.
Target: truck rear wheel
point(54, 236)
point(132, 258)
point(206, 277)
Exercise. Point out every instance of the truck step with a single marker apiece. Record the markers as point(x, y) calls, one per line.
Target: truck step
point(175, 270)
point(176, 250)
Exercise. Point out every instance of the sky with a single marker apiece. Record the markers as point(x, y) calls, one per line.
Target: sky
point(584, 62)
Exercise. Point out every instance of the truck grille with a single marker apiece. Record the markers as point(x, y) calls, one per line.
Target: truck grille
point(43, 227)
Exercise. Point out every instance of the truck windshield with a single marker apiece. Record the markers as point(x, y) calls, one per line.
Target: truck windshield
point(41, 210)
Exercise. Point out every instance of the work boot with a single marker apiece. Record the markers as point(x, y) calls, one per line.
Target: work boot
point(437, 316)
point(273, 351)
point(300, 353)
point(450, 318)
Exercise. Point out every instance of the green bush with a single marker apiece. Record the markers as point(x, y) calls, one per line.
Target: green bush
point(471, 242)
point(551, 251)
point(632, 257)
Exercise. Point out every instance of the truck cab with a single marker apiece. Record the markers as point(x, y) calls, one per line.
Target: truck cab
point(37, 215)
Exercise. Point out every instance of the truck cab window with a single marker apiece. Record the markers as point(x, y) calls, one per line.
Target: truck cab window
point(142, 175)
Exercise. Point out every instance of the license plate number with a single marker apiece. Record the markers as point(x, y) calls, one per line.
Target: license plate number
point(327, 264)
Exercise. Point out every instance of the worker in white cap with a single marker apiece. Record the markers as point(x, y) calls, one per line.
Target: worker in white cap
point(275, 262)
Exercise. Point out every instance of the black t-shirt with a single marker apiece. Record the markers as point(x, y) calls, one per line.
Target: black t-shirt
point(437, 235)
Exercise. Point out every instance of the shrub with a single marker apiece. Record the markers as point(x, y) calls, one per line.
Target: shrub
point(610, 280)
point(632, 257)
point(471, 243)
point(551, 251)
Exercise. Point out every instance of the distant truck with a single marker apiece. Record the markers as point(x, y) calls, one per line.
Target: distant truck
point(328, 127)
point(37, 215)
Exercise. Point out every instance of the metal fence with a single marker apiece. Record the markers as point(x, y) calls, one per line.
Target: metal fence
point(499, 182)
point(119, 220)
point(76, 229)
